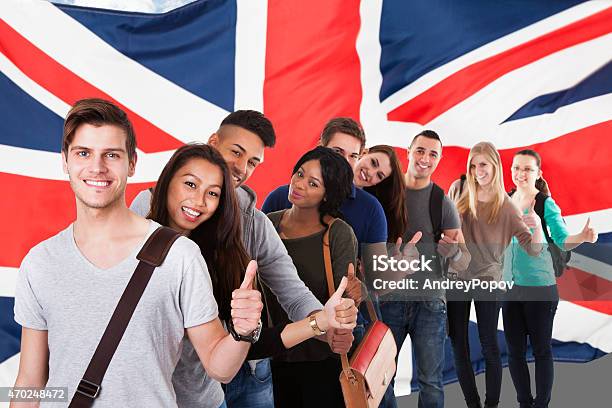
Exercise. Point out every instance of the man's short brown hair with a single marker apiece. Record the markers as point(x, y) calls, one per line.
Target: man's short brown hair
point(342, 125)
point(98, 112)
point(428, 134)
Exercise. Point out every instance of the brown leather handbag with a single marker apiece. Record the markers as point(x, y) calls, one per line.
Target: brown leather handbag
point(365, 378)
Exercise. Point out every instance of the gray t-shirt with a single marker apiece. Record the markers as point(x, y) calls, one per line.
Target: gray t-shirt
point(60, 291)
point(419, 219)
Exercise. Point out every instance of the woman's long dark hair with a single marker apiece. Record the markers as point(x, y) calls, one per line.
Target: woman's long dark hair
point(337, 179)
point(220, 237)
point(540, 183)
point(390, 193)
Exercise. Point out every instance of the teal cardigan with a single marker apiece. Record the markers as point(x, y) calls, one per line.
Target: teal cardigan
point(526, 270)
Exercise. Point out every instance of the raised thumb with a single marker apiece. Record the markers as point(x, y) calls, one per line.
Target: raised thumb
point(341, 288)
point(351, 272)
point(249, 275)
point(416, 237)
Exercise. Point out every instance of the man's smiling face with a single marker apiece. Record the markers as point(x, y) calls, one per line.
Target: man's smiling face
point(423, 157)
point(98, 165)
point(241, 149)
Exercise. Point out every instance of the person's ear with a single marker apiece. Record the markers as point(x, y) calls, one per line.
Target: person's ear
point(132, 165)
point(64, 163)
point(213, 140)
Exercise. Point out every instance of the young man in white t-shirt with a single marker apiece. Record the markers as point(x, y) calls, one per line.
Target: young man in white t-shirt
point(69, 285)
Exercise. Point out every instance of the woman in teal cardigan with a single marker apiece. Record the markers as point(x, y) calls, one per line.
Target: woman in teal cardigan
point(532, 303)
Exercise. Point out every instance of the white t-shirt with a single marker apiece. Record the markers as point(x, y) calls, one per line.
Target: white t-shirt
point(60, 291)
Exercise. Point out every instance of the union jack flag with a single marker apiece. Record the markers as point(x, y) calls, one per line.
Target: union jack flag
point(519, 74)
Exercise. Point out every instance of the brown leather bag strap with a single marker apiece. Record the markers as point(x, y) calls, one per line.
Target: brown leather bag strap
point(330, 277)
point(327, 258)
point(331, 288)
point(330, 282)
point(151, 255)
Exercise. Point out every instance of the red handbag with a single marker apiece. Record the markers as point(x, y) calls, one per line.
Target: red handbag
point(365, 378)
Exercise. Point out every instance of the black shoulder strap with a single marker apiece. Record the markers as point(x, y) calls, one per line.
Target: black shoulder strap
point(539, 209)
point(461, 183)
point(435, 210)
point(151, 255)
point(539, 204)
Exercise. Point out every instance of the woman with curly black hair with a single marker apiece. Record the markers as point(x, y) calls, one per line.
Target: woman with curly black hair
point(321, 181)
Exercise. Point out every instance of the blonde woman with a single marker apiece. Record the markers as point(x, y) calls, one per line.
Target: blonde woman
point(489, 221)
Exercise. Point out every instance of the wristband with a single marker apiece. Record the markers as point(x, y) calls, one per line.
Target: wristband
point(251, 338)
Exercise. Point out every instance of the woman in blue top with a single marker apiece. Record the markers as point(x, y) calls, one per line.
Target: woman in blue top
point(532, 303)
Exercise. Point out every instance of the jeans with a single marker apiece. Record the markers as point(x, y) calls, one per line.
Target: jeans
point(534, 319)
point(425, 322)
point(487, 316)
point(251, 388)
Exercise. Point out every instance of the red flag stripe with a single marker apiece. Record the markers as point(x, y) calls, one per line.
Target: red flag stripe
point(69, 87)
point(587, 290)
point(312, 75)
point(469, 80)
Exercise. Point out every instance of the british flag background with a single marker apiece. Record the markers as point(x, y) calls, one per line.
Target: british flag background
point(518, 73)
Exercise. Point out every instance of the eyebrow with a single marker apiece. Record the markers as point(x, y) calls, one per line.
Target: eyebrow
point(111, 149)
point(192, 175)
point(313, 177)
point(243, 150)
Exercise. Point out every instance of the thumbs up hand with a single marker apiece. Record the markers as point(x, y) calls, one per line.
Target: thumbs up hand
point(410, 250)
point(448, 245)
point(531, 219)
point(588, 233)
point(340, 312)
point(353, 287)
point(246, 303)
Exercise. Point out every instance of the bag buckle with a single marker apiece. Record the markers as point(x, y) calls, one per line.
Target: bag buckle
point(350, 376)
point(88, 388)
